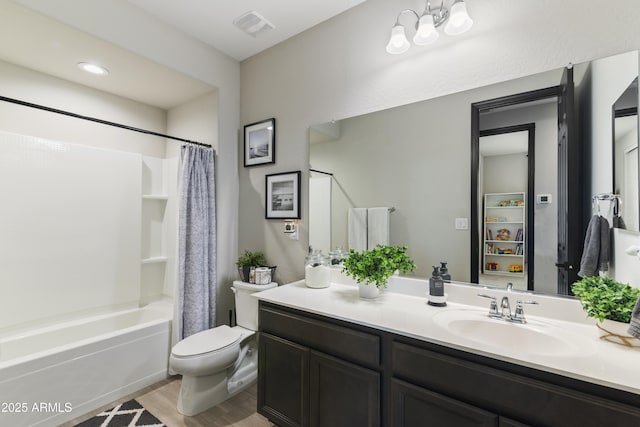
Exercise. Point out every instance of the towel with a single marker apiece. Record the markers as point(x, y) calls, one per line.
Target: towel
point(618, 222)
point(605, 245)
point(634, 326)
point(357, 228)
point(377, 227)
point(596, 250)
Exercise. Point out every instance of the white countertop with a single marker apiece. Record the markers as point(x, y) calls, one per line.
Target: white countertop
point(596, 361)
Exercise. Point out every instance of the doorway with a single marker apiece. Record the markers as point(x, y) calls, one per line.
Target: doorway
point(561, 259)
point(506, 186)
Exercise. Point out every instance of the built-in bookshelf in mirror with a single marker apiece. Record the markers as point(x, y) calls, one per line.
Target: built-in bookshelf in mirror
point(504, 235)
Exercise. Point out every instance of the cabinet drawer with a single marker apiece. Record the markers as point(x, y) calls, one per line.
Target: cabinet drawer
point(530, 400)
point(346, 343)
point(412, 406)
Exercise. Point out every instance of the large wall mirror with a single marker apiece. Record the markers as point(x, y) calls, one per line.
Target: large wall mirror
point(625, 159)
point(415, 160)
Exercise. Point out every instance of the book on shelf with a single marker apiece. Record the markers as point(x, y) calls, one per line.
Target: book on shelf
point(519, 235)
point(489, 234)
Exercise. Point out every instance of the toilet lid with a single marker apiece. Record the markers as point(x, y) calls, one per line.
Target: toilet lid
point(206, 341)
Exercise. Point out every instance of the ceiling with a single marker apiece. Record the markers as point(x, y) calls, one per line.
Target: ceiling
point(45, 36)
point(211, 21)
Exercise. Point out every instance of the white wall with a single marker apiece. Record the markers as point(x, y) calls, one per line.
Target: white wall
point(196, 120)
point(70, 229)
point(24, 84)
point(339, 69)
point(131, 28)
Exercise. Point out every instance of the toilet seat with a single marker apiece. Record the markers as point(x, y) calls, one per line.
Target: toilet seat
point(207, 341)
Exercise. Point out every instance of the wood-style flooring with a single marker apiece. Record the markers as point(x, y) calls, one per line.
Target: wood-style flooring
point(161, 398)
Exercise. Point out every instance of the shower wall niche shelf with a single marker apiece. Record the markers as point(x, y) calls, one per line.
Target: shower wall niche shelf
point(158, 225)
point(159, 197)
point(155, 260)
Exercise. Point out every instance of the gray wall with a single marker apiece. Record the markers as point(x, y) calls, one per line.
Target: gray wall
point(339, 69)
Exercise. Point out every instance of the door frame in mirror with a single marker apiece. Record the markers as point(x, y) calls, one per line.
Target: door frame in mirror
point(530, 128)
point(477, 108)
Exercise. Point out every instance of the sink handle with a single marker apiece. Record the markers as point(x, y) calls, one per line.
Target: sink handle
point(519, 313)
point(493, 308)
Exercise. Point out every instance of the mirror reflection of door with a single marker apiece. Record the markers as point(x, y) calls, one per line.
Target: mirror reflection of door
point(540, 109)
point(625, 157)
point(506, 177)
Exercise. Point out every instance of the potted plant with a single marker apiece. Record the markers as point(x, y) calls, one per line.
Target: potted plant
point(247, 260)
point(375, 266)
point(611, 303)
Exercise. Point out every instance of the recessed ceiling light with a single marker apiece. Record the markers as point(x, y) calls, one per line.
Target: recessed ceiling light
point(93, 68)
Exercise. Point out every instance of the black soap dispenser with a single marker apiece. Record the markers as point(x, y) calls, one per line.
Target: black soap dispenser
point(444, 272)
point(436, 295)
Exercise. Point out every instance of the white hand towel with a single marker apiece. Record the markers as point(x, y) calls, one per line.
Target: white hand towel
point(378, 227)
point(357, 233)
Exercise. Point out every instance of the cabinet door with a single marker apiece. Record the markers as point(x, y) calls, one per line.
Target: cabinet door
point(342, 394)
point(283, 381)
point(415, 406)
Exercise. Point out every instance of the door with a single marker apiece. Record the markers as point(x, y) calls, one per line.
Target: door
point(283, 381)
point(342, 394)
point(569, 191)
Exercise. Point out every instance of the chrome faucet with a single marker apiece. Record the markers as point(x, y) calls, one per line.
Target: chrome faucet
point(505, 309)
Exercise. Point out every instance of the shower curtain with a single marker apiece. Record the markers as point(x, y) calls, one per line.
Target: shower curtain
point(195, 297)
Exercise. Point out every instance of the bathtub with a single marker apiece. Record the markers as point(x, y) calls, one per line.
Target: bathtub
point(57, 373)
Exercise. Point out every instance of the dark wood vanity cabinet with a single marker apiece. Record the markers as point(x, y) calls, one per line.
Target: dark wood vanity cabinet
point(317, 371)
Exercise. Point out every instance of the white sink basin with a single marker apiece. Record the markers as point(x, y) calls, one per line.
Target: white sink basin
point(533, 338)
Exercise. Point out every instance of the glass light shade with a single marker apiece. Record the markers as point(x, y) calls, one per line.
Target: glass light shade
point(398, 42)
point(459, 20)
point(426, 32)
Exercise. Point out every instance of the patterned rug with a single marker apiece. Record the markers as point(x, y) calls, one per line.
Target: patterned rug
point(127, 414)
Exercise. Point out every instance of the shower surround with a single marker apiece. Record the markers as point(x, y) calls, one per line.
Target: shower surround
point(83, 249)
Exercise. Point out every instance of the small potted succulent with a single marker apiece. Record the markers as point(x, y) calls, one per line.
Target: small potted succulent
point(611, 303)
point(247, 260)
point(375, 266)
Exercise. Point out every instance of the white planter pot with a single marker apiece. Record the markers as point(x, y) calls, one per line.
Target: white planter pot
point(616, 332)
point(368, 291)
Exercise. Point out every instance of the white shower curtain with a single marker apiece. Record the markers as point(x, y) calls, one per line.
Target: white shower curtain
point(195, 296)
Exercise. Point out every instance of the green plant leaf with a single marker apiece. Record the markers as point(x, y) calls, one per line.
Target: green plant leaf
point(604, 298)
point(378, 264)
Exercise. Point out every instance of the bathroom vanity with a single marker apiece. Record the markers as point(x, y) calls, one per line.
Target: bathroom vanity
point(329, 358)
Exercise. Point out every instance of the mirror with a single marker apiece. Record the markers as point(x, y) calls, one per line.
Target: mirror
point(625, 159)
point(415, 158)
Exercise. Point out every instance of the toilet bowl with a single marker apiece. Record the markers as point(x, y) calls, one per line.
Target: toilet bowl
point(217, 363)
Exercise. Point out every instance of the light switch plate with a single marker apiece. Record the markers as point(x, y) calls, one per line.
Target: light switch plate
point(462, 223)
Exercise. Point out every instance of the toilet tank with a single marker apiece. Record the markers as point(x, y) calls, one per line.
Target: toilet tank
point(246, 304)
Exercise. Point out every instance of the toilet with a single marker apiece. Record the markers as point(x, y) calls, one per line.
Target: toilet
point(220, 362)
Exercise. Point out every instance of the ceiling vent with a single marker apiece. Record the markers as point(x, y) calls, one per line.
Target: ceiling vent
point(253, 23)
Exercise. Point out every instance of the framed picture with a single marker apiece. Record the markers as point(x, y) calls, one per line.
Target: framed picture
point(282, 196)
point(260, 143)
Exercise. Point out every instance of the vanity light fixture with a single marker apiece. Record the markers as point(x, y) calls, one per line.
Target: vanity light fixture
point(456, 18)
point(93, 68)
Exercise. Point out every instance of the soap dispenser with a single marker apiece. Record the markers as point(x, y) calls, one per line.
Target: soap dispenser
point(436, 295)
point(444, 272)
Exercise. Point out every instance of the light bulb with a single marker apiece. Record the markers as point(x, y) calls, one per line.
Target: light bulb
point(426, 32)
point(398, 42)
point(459, 20)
